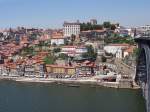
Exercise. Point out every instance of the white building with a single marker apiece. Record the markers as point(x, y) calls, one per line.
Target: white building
point(58, 39)
point(100, 52)
point(123, 31)
point(116, 49)
point(71, 29)
point(145, 28)
point(119, 53)
point(73, 50)
point(80, 50)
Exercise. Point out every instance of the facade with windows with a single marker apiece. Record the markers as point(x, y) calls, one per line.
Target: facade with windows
point(71, 29)
point(145, 28)
point(73, 50)
point(116, 49)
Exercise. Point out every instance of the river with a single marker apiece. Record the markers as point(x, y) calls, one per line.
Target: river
point(36, 97)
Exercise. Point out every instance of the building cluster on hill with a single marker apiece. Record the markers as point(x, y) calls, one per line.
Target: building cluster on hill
point(77, 50)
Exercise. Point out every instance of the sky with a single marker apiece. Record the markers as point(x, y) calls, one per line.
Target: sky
point(52, 13)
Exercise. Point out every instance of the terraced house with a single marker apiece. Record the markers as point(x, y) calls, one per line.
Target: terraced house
point(57, 71)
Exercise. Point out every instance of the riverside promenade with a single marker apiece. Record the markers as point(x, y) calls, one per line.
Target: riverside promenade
point(70, 81)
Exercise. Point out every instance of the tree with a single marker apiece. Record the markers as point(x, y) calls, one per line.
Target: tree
point(113, 27)
point(63, 56)
point(97, 27)
point(73, 37)
point(67, 42)
point(33, 36)
point(104, 59)
point(49, 60)
point(89, 26)
point(106, 24)
point(116, 39)
point(1, 35)
point(136, 52)
point(56, 50)
point(41, 44)
point(90, 53)
point(28, 51)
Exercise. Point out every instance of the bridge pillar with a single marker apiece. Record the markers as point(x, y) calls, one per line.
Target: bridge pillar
point(143, 71)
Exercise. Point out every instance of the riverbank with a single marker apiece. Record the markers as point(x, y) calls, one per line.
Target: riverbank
point(69, 82)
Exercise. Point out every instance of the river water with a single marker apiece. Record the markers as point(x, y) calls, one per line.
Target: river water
point(36, 97)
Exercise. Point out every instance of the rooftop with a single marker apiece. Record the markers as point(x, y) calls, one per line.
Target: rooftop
point(89, 31)
point(118, 45)
point(142, 39)
point(67, 23)
point(57, 36)
point(130, 49)
point(59, 66)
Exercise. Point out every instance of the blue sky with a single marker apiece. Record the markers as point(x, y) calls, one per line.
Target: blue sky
point(52, 13)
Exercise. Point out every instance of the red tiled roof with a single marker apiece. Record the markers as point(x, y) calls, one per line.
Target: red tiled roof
point(119, 45)
point(69, 46)
point(59, 66)
point(130, 49)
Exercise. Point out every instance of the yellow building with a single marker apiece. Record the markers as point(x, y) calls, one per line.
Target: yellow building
point(61, 69)
point(71, 70)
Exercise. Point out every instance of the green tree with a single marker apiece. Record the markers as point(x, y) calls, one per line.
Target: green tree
point(136, 52)
point(90, 53)
point(113, 27)
point(63, 56)
point(89, 26)
point(97, 27)
point(49, 60)
point(41, 44)
point(73, 37)
point(56, 50)
point(104, 59)
point(33, 36)
point(1, 35)
point(28, 51)
point(66, 42)
point(116, 39)
point(107, 24)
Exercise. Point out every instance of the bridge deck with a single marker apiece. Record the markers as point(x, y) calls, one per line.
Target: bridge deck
point(142, 39)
